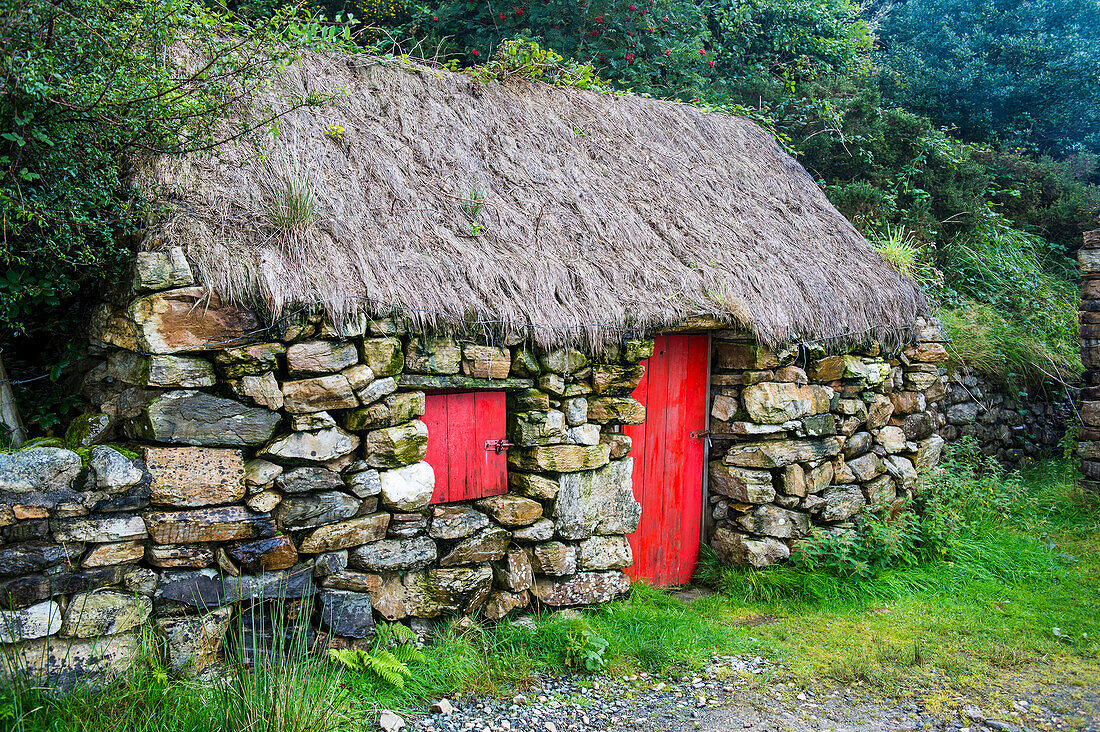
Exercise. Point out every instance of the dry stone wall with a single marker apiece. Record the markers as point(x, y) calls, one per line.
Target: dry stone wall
point(1011, 425)
point(247, 467)
point(802, 439)
point(1088, 445)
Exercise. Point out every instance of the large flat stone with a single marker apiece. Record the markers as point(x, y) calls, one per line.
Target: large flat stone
point(745, 485)
point(455, 522)
point(29, 589)
point(346, 534)
point(583, 588)
point(264, 555)
point(776, 403)
point(394, 554)
point(319, 394)
point(311, 510)
point(510, 510)
point(187, 477)
point(485, 546)
point(95, 614)
point(431, 383)
point(598, 553)
point(42, 469)
point(196, 418)
point(407, 488)
point(746, 551)
point(187, 319)
point(35, 621)
point(68, 663)
point(780, 453)
point(597, 502)
point(559, 458)
point(37, 556)
point(347, 614)
point(227, 523)
point(319, 447)
point(98, 529)
point(320, 357)
point(104, 555)
point(616, 410)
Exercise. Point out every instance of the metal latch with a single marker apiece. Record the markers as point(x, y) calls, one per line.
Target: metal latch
point(497, 446)
point(699, 434)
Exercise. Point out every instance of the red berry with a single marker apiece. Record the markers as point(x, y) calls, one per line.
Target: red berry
point(702, 52)
point(668, 51)
point(665, 19)
point(476, 53)
point(632, 8)
point(629, 57)
point(710, 64)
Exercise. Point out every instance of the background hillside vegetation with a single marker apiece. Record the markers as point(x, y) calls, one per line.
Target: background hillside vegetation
point(962, 138)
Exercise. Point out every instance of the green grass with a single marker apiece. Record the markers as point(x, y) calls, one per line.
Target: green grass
point(1014, 606)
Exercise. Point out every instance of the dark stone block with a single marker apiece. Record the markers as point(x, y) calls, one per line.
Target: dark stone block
point(134, 499)
point(429, 383)
point(347, 613)
point(24, 591)
point(36, 556)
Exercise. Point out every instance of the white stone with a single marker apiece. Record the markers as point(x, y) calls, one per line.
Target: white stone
point(113, 471)
point(585, 434)
point(408, 488)
point(28, 623)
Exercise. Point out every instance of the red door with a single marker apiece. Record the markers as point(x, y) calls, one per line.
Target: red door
point(668, 461)
point(459, 425)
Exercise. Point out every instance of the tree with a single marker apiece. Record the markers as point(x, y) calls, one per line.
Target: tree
point(89, 88)
point(1013, 71)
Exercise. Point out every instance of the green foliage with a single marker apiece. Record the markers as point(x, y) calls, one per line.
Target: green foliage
point(388, 658)
point(90, 88)
point(1000, 70)
point(585, 651)
point(959, 531)
point(285, 689)
point(522, 57)
point(1010, 305)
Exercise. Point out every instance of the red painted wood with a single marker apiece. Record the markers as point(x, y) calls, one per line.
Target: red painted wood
point(668, 462)
point(458, 426)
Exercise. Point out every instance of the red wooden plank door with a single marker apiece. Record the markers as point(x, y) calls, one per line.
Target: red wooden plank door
point(668, 461)
point(459, 425)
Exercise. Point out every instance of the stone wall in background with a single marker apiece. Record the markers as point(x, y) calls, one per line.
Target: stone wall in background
point(246, 467)
point(801, 439)
point(1012, 426)
point(1088, 445)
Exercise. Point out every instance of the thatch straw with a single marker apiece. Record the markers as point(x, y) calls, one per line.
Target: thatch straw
point(603, 214)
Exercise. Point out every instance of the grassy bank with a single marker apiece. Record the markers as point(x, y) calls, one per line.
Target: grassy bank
point(1008, 594)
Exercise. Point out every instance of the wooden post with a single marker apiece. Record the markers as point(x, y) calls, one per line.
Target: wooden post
point(9, 410)
point(1088, 442)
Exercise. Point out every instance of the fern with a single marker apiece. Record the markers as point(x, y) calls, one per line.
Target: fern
point(388, 659)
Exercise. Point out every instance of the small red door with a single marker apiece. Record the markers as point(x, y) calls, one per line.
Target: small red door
point(668, 461)
point(459, 425)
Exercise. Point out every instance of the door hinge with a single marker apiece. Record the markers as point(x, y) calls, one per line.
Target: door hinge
point(497, 446)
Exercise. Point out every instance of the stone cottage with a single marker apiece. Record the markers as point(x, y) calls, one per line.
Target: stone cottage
point(449, 347)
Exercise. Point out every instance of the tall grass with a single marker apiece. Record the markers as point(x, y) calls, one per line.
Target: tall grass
point(1010, 305)
point(974, 523)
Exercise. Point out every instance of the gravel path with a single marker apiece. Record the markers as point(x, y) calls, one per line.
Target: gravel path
point(734, 694)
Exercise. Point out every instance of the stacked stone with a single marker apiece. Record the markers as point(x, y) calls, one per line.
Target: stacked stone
point(1088, 446)
point(288, 467)
point(1007, 425)
point(801, 438)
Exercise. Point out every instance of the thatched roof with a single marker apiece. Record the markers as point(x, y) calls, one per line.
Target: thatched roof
point(604, 215)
